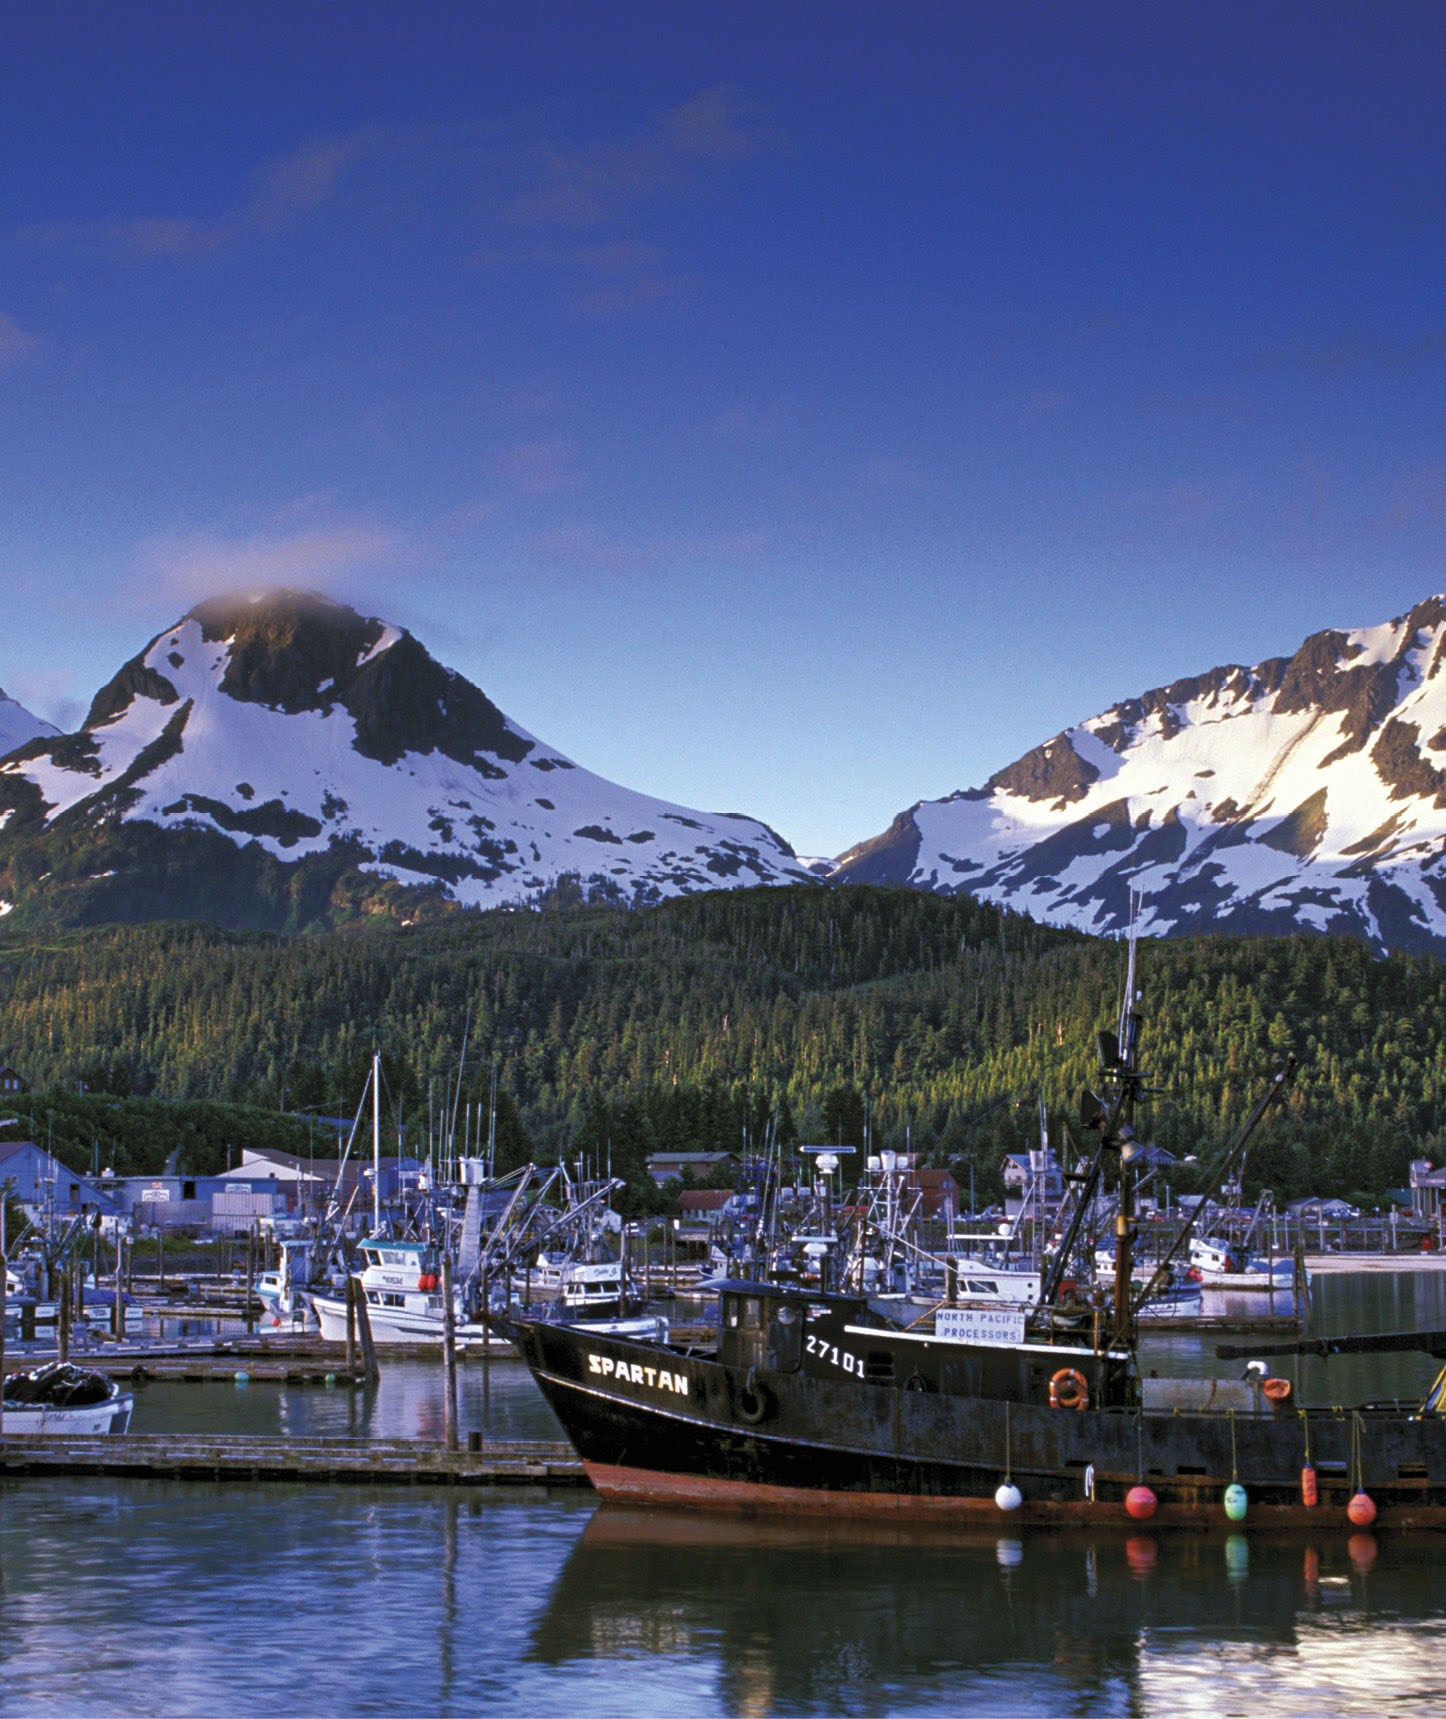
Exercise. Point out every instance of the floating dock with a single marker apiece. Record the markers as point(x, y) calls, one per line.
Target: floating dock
point(363, 1461)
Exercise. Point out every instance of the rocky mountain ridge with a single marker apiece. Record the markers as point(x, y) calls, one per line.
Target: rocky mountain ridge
point(283, 762)
point(1305, 793)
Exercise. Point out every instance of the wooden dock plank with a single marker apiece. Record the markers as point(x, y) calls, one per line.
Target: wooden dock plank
point(205, 1456)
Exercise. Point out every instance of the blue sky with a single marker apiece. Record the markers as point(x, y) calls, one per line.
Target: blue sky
point(798, 409)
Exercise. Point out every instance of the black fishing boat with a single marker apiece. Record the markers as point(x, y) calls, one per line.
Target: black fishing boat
point(813, 1401)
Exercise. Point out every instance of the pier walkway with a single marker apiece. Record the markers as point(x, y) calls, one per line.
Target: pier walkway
point(369, 1461)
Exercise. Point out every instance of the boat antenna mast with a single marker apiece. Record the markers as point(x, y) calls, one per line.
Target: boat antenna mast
point(1113, 1119)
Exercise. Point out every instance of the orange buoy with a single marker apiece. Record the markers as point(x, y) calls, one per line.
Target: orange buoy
point(1361, 1510)
point(1308, 1492)
point(1276, 1390)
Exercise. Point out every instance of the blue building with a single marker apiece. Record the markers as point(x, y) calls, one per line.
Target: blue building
point(42, 1184)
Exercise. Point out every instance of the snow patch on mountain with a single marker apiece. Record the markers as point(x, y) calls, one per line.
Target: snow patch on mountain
point(1303, 792)
point(18, 726)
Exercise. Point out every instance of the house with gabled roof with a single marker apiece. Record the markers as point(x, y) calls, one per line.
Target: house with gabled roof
point(39, 1182)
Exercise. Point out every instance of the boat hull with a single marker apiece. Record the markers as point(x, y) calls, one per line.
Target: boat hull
point(60, 1398)
point(1258, 1282)
point(656, 1425)
point(396, 1326)
point(109, 1417)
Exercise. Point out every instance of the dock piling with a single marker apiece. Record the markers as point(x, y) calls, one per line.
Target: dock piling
point(449, 1355)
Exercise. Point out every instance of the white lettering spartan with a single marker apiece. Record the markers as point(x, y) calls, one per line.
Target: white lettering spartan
point(634, 1373)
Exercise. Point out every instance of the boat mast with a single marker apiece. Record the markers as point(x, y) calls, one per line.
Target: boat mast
point(492, 1122)
point(1113, 1120)
point(1122, 1139)
point(376, 1142)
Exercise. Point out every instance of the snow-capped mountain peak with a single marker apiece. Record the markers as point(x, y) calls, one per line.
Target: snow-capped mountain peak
point(291, 725)
point(1308, 792)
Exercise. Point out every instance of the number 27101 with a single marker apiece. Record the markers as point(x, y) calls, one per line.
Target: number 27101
point(832, 1353)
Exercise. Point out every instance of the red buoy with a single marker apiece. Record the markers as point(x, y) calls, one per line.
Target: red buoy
point(1308, 1492)
point(1140, 1502)
point(1361, 1510)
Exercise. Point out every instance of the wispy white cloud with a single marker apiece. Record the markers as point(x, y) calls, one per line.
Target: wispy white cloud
point(601, 183)
point(577, 208)
point(282, 191)
point(192, 565)
point(584, 202)
point(1180, 506)
point(288, 186)
point(638, 292)
point(1046, 403)
point(717, 125)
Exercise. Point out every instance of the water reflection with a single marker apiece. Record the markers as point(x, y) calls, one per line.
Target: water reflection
point(191, 1598)
point(498, 1399)
point(200, 1598)
point(805, 1617)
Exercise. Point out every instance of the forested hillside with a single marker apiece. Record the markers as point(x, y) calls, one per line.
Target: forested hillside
point(943, 1020)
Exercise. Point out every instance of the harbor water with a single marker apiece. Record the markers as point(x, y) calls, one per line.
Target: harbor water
point(200, 1598)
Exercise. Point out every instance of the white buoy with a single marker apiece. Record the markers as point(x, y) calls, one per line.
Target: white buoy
point(1009, 1497)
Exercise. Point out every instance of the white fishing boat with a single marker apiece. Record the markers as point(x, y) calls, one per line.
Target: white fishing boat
point(63, 1398)
point(1170, 1305)
point(588, 1288)
point(1180, 1299)
point(1221, 1266)
point(401, 1283)
point(282, 1292)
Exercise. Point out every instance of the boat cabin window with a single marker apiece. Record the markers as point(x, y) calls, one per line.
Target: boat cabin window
point(785, 1345)
point(762, 1332)
point(743, 1311)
